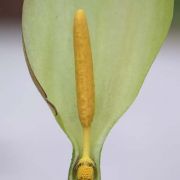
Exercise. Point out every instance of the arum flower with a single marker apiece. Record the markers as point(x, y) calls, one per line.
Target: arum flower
point(88, 59)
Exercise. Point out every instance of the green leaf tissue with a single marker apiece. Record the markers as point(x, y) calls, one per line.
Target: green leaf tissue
point(88, 59)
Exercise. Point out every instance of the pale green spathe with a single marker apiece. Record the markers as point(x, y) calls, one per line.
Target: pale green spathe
point(126, 35)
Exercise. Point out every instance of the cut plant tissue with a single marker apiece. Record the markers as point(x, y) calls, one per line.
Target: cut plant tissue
point(89, 59)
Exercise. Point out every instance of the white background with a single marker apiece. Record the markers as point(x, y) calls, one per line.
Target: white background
point(144, 144)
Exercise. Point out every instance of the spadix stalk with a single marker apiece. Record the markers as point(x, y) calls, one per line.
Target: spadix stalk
point(85, 91)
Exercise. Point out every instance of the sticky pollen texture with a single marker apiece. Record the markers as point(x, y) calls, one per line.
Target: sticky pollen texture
point(85, 173)
point(84, 69)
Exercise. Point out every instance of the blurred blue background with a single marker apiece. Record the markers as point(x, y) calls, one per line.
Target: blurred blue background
point(144, 145)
